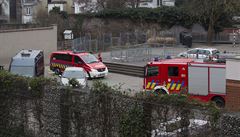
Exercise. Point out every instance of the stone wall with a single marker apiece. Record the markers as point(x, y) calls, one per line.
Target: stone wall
point(230, 125)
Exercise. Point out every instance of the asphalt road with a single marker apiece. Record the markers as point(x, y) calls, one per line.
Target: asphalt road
point(124, 82)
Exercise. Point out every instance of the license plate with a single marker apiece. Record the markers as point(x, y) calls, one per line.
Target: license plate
point(101, 75)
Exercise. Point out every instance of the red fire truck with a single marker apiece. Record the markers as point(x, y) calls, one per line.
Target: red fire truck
point(202, 81)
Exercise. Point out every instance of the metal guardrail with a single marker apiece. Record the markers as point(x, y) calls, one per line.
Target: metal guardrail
point(126, 69)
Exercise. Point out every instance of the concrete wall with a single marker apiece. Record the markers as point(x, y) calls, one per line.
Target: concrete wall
point(233, 85)
point(232, 71)
point(12, 41)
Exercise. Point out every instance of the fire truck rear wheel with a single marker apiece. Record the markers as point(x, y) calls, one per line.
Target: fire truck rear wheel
point(160, 91)
point(219, 101)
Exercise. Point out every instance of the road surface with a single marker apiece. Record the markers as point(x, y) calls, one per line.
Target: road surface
point(125, 82)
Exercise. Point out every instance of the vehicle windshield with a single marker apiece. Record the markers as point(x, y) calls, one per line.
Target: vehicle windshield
point(89, 58)
point(215, 52)
point(152, 71)
point(74, 74)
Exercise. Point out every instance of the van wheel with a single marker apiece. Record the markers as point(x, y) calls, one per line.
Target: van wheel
point(57, 71)
point(160, 92)
point(219, 101)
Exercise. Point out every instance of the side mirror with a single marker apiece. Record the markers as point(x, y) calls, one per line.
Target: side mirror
point(145, 71)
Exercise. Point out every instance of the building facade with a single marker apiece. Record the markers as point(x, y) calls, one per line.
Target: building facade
point(83, 7)
point(29, 11)
point(4, 11)
point(156, 3)
point(25, 11)
point(64, 5)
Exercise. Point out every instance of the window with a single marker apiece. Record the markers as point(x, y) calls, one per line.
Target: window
point(193, 51)
point(152, 71)
point(159, 2)
point(89, 58)
point(28, 11)
point(1, 9)
point(39, 67)
point(77, 60)
point(62, 57)
point(173, 71)
point(204, 52)
point(207, 52)
point(215, 52)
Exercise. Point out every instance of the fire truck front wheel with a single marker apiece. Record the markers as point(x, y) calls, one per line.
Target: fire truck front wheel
point(219, 101)
point(160, 91)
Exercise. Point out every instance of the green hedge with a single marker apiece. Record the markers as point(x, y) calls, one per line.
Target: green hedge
point(166, 16)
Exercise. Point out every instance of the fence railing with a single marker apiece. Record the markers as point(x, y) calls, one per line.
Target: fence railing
point(106, 41)
point(127, 69)
point(144, 52)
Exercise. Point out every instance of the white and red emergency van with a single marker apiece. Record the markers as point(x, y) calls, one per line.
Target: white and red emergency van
point(59, 60)
point(202, 81)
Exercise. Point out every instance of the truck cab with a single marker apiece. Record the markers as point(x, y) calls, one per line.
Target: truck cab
point(169, 76)
point(200, 80)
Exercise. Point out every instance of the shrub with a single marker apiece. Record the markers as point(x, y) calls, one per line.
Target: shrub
point(165, 16)
point(162, 40)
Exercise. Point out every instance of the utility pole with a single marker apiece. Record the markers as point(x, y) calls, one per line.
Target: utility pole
point(234, 38)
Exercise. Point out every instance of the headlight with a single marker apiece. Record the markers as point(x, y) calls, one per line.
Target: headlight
point(94, 70)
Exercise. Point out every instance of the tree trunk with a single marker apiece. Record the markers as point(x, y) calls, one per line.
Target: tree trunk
point(210, 34)
point(137, 4)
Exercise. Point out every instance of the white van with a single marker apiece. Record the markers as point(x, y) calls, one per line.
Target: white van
point(28, 63)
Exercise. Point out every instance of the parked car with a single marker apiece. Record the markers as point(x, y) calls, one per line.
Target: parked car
point(76, 73)
point(61, 59)
point(28, 63)
point(201, 53)
point(224, 56)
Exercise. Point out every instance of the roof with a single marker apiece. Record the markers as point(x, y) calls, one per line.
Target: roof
point(67, 32)
point(173, 61)
point(70, 52)
point(211, 49)
point(25, 58)
point(208, 64)
point(57, 2)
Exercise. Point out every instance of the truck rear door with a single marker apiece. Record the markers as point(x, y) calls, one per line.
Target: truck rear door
point(206, 78)
point(198, 80)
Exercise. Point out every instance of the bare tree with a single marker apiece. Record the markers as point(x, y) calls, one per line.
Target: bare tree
point(134, 3)
point(88, 5)
point(210, 11)
point(101, 4)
